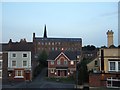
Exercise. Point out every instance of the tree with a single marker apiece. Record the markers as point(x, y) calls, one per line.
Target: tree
point(43, 58)
point(42, 63)
point(118, 46)
point(112, 46)
point(83, 75)
point(89, 48)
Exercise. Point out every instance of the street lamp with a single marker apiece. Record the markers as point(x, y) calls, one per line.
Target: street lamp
point(68, 73)
point(55, 73)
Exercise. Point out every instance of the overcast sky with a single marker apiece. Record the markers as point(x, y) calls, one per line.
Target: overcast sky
point(87, 20)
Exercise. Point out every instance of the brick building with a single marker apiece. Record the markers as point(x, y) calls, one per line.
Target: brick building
point(62, 63)
point(56, 44)
point(18, 61)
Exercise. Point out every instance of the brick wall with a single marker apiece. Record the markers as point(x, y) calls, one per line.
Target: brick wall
point(4, 68)
point(61, 58)
point(94, 80)
point(99, 80)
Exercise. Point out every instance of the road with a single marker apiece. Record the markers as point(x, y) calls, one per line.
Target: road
point(40, 82)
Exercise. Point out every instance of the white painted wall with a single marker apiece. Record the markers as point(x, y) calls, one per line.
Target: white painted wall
point(19, 59)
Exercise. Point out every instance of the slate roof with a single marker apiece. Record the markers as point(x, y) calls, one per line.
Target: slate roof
point(16, 46)
point(59, 39)
point(3, 47)
point(22, 46)
point(70, 54)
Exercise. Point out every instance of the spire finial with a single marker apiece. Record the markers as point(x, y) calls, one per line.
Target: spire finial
point(45, 32)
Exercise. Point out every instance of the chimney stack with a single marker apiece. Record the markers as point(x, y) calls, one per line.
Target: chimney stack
point(109, 38)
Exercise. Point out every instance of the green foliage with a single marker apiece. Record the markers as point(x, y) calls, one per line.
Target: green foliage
point(88, 48)
point(83, 75)
point(37, 70)
point(43, 59)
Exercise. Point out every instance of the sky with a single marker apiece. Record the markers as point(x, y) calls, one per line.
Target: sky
point(87, 20)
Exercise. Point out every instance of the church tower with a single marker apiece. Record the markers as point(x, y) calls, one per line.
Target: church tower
point(45, 32)
point(110, 38)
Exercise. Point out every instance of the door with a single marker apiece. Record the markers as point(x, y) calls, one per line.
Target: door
point(27, 76)
point(58, 72)
point(65, 72)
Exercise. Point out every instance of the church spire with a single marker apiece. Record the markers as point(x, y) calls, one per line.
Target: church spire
point(45, 32)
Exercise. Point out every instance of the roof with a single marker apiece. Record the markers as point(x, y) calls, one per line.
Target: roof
point(70, 54)
point(16, 46)
point(3, 47)
point(22, 46)
point(59, 39)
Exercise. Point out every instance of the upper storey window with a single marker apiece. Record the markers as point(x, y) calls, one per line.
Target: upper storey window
point(114, 66)
point(58, 62)
point(24, 55)
point(14, 55)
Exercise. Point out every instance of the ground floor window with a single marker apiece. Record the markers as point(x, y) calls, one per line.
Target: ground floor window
point(18, 73)
point(62, 73)
point(113, 82)
point(52, 70)
point(65, 72)
point(71, 71)
point(114, 66)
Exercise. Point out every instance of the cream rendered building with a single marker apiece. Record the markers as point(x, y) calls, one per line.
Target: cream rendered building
point(111, 59)
point(108, 74)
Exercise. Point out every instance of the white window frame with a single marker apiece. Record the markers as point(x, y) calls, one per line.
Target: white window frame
point(71, 71)
point(52, 62)
point(46, 43)
point(116, 66)
point(12, 63)
point(16, 74)
point(26, 63)
point(109, 65)
point(111, 80)
point(58, 62)
point(52, 43)
point(52, 70)
point(66, 62)
point(49, 43)
point(12, 55)
point(23, 55)
point(1, 63)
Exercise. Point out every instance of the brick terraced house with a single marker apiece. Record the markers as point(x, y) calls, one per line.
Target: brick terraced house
point(62, 63)
point(17, 61)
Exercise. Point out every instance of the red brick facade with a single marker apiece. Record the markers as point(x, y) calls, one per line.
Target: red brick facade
point(26, 75)
point(62, 69)
point(100, 80)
